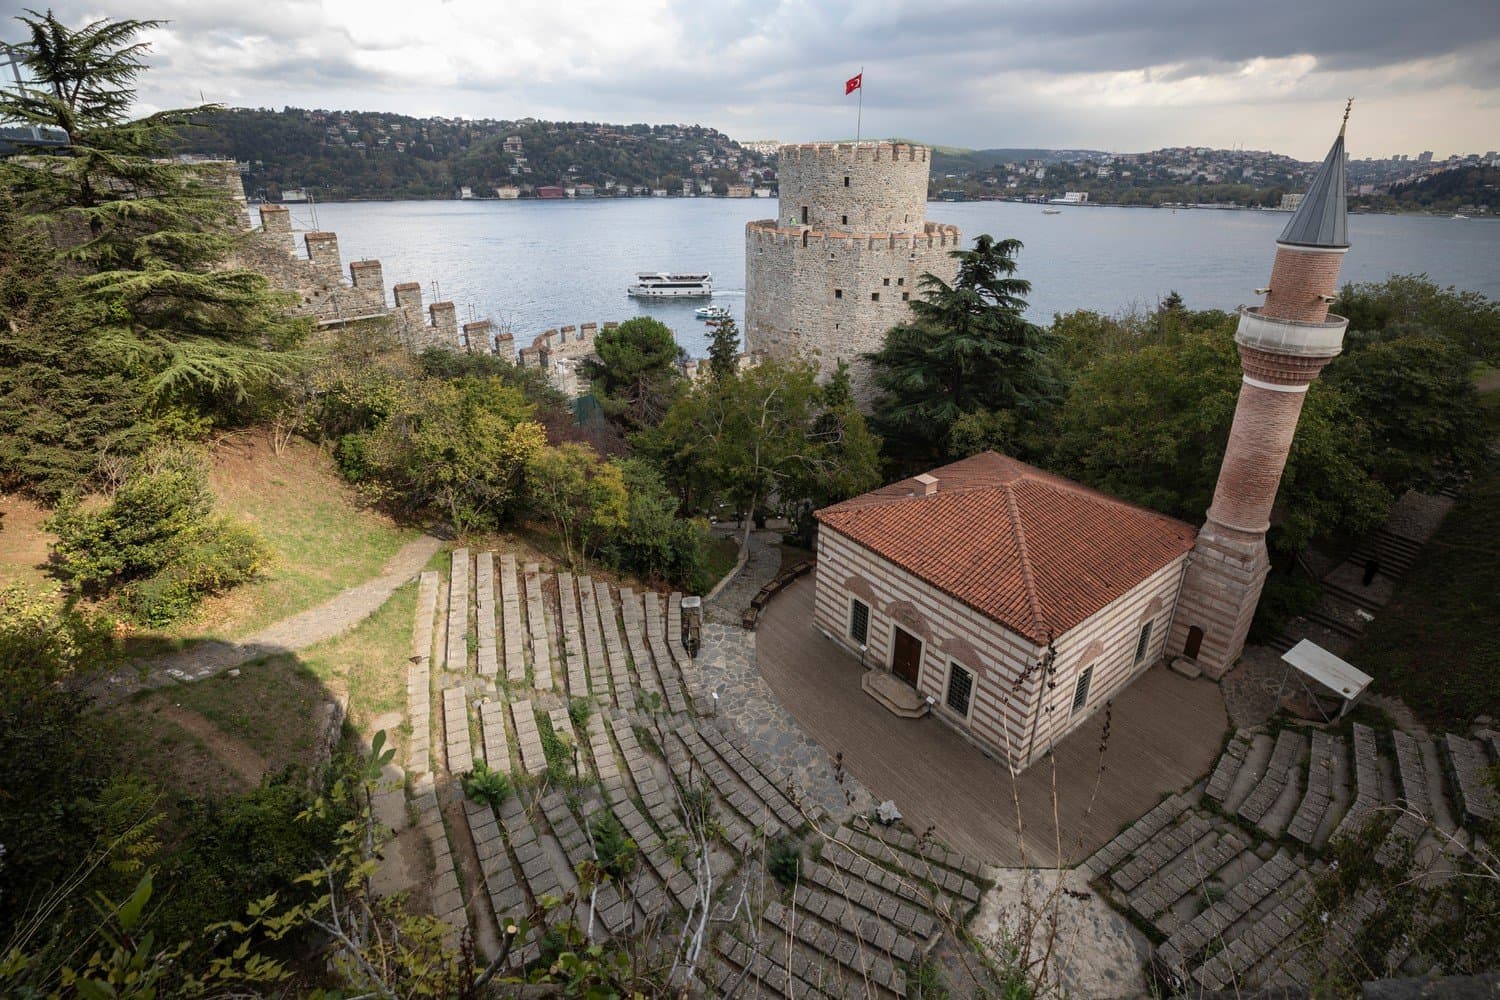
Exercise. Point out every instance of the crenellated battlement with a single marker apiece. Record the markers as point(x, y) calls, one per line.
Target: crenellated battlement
point(845, 153)
point(770, 233)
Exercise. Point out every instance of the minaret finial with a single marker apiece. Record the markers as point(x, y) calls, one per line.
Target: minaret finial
point(1347, 108)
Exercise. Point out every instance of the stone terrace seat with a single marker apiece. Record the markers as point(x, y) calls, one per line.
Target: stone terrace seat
point(748, 972)
point(886, 852)
point(1127, 841)
point(612, 911)
point(1326, 749)
point(862, 963)
point(744, 824)
point(1367, 794)
point(507, 898)
point(1249, 892)
point(456, 726)
point(1257, 941)
point(1185, 874)
point(869, 897)
point(1290, 746)
point(1469, 762)
point(845, 914)
point(1411, 822)
point(456, 656)
point(1228, 768)
point(1159, 851)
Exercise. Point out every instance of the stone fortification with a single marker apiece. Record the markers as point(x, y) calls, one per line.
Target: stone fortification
point(560, 352)
point(845, 257)
point(317, 279)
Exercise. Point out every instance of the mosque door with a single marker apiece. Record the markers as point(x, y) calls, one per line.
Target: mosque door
point(906, 656)
point(1194, 643)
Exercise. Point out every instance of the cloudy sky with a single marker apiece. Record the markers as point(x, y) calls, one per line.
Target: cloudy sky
point(1104, 74)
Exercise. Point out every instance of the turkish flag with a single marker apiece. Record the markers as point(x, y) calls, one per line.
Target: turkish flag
point(853, 83)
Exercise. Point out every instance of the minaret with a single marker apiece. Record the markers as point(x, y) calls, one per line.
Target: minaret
point(1283, 346)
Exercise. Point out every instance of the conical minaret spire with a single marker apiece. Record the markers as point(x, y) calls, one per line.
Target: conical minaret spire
point(1283, 345)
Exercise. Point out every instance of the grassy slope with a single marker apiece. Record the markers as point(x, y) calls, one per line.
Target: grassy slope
point(23, 542)
point(1437, 645)
point(322, 540)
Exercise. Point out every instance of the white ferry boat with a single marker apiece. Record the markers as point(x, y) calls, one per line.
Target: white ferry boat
point(659, 285)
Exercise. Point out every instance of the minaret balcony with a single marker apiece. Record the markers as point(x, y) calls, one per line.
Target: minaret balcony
point(1290, 336)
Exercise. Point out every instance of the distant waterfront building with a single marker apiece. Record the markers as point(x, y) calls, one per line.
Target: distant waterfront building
point(550, 191)
point(1071, 198)
point(839, 266)
point(507, 192)
point(1290, 202)
point(585, 190)
point(466, 193)
point(739, 191)
point(293, 195)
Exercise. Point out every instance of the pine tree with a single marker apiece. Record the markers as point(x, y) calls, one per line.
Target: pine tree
point(969, 348)
point(724, 350)
point(141, 241)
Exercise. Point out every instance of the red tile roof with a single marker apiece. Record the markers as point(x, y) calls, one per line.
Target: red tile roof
point(1036, 552)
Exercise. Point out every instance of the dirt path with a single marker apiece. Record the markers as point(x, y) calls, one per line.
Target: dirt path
point(235, 754)
point(339, 613)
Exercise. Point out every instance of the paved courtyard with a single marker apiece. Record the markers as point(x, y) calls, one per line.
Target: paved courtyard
point(1165, 732)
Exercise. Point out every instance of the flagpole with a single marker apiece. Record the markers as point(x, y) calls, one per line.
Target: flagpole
point(860, 114)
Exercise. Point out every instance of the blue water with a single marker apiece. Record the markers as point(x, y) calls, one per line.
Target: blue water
point(533, 265)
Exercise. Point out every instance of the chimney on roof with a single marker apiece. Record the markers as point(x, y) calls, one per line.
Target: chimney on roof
point(928, 483)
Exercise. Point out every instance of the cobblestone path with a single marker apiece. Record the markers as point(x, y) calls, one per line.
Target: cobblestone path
point(763, 564)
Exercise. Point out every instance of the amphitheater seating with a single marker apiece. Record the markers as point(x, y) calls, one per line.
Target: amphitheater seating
point(1227, 768)
point(1138, 833)
point(1468, 762)
point(1368, 796)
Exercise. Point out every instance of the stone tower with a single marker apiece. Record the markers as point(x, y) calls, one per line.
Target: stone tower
point(838, 267)
point(1283, 345)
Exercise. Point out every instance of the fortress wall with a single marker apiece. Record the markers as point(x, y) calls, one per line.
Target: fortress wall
point(317, 280)
point(864, 187)
point(828, 296)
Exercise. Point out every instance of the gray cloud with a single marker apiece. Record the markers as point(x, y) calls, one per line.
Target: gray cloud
point(969, 72)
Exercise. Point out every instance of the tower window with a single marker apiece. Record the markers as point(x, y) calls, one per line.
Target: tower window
point(846, 180)
point(900, 281)
point(844, 220)
point(887, 281)
point(804, 215)
point(906, 296)
point(838, 293)
point(1143, 642)
point(1081, 690)
point(874, 296)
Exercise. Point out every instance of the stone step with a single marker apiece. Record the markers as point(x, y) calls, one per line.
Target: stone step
point(1128, 841)
point(1161, 850)
point(1186, 874)
point(1257, 760)
point(456, 652)
point(507, 899)
point(1176, 954)
point(887, 854)
point(614, 643)
point(484, 614)
point(745, 826)
point(863, 925)
point(862, 964)
point(1468, 763)
point(528, 737)
point(593, 641)
point(1227, 768)
point(419, 677)
point(1285, 760)
point(754, 770)
point(513, 635)
point(447, 898)
point(745, 971)
point(460, 751)
point(496, 741)
point(1318, 799)
point(1369, 793)
point(906, 919)
point(536, 628)
point(612, 911)
point(1260, 939)
point(571, 644)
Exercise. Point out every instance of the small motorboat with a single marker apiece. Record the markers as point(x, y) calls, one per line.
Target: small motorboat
point(1052, 211)
point(711, 312)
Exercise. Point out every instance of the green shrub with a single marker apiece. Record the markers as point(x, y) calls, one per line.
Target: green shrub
point(156, 542)
point(486, 786)
point(617, 852)
point(1284, 597)
point(579, 710)
point(784, 861)
point(558, 750)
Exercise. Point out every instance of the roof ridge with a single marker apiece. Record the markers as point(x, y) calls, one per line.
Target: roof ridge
point(1027, 577)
